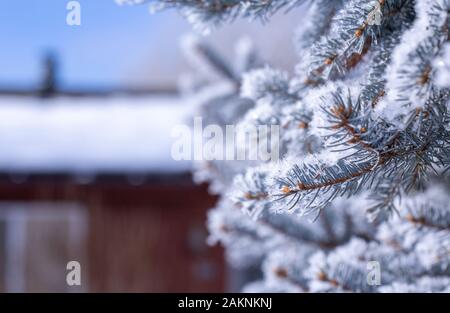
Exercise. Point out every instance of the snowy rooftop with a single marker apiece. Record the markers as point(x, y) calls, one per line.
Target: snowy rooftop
point(110, 134)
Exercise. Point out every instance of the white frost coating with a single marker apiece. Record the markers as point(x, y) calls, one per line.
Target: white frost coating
point(200, 99)
point(423, 284)
point(264, 83)
point(287, 262)
point(322, 98)
point(403, 94)
point(442, 65)
point(433, 250)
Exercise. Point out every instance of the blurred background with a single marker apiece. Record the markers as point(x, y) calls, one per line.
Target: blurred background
point(86, 114)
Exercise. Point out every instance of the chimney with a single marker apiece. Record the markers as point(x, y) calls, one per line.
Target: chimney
point(49, 84)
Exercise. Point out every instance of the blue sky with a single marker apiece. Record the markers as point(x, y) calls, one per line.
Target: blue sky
point(111, 41)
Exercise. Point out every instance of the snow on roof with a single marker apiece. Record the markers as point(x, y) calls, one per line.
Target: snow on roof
point(89, 134)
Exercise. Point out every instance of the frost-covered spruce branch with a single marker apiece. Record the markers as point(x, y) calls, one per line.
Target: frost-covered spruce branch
point(214, 91)
point(203, 12)
point(354, 28)
point(367, 153)
point(413, 248)
point(364, 128)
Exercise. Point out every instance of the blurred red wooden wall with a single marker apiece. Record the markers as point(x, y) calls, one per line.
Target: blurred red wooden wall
point(146, 237)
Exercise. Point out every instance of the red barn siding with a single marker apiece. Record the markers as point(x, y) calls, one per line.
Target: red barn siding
point(147, 238)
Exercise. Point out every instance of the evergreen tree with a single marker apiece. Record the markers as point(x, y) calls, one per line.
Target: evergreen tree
point(365, 146)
